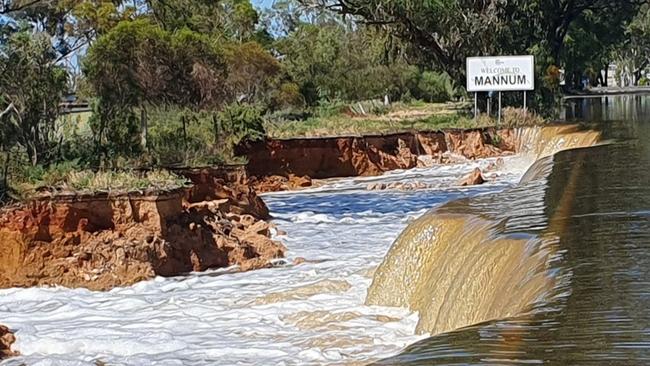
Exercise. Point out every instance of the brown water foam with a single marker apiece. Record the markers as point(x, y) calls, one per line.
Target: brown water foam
point(457, 267)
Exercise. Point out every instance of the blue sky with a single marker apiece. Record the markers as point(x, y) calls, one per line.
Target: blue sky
point(262, 3)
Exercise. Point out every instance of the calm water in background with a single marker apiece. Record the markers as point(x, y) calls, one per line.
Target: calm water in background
point(596, 203)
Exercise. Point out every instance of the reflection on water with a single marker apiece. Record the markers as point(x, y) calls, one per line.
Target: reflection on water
point(596, 204)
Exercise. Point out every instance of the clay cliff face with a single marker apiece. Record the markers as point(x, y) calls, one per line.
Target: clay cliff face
point(100, 242)
point(364, 156)
point(6, 340)
point(230, 183)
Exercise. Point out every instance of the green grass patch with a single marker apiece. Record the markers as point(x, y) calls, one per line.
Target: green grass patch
point(417, 116)
point(68, 177)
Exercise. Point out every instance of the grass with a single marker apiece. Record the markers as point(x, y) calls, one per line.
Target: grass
point(68, 178)
point(398, 118)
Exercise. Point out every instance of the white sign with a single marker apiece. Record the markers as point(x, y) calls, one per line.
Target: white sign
point(500, 73)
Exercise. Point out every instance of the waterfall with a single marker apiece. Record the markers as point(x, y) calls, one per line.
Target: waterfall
point(465, 262)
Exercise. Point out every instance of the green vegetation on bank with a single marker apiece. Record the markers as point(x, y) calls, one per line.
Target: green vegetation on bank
point(180, 83)
point(69, 177)
point(395, 119)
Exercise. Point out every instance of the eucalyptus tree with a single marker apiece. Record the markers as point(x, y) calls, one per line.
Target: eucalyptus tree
point(445, 32)
point(31, 88)
point(633, 54)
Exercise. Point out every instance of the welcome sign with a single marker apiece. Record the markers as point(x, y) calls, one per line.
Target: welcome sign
point(500, 73)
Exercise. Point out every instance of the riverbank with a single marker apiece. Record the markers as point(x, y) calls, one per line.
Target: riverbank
point(103, 240)
point(284, 164)
point(100, 240)
point(314, 309)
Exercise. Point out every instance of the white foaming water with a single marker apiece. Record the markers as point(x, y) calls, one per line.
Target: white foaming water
point(312, 313)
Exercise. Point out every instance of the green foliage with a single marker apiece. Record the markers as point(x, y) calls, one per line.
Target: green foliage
point(69, 176)
point(226, 19)
point(243, 122)
point(139, 62)
point(31, 87)
point(633, 56)
point(435, 87)
point(182, 137)
point(252, 73)
point(349, 63)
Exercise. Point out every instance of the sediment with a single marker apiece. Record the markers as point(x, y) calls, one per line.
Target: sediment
point(7, 339)
point(276, 164)
point(101, 241)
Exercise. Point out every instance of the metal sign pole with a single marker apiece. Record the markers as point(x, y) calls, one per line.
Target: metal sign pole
point(525, 109)
point(499, 120)
point(475, 106)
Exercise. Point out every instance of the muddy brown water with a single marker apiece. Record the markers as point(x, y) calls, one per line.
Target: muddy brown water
point(577, 289)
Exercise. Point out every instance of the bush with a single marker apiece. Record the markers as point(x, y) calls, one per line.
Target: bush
point(436, 87)
point(182, 137)
point(242, 122)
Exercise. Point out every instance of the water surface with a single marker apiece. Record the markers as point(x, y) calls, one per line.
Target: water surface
point(595, 205)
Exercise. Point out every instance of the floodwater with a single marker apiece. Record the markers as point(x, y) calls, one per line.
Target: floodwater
point(309, 314)
point(589, 209)
point(557, 273)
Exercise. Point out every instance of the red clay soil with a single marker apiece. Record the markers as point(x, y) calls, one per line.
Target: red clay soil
point(103, 241)
point(270, 160)
point(6, 340)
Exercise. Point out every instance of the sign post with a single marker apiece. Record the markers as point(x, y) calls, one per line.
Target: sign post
point(525, 108)
point(500, 73)
point(499, 120)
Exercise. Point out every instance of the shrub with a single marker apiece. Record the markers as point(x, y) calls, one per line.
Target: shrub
point(436, 87)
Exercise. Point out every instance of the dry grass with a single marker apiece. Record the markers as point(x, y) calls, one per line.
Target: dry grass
point(58, 180)
point(401, 118)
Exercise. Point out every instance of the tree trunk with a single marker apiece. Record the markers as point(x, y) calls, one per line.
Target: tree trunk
point(215, 126)
point(144, 128)
point(184, 131)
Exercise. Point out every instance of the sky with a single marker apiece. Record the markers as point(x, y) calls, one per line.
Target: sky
point(262, 4)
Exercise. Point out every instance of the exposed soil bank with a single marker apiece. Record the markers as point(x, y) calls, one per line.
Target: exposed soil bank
point(297, 160)
point(6, 340)
point(102, 241)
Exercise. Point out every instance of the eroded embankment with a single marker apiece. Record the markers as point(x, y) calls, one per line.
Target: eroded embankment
point(101, 241)
point(469, 261)
point(291, 163)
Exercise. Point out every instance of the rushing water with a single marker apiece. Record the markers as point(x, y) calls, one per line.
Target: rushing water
point(578, 223)
point(593, 212)
point(312, 313)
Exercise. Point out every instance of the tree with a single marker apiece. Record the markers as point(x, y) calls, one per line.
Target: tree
point(448, 31)
point(230, 19)
point(137, 64)
point(634, 53)
point(31, 88)
point(251, 72)
point(341, 62)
